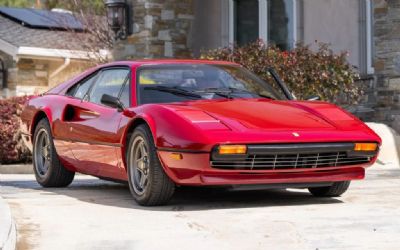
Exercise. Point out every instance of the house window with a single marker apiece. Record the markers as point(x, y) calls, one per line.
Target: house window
point(246, 21)
point(273, 21)
point(281, 24)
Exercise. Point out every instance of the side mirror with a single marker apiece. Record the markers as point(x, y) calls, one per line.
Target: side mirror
point(112, 101)
point(314, 98)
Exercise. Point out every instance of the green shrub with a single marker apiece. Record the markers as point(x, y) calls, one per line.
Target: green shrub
point(307, 72)
point(12, 148)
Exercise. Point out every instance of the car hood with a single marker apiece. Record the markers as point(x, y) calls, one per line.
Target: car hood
point(198, 125)
point(262, 114)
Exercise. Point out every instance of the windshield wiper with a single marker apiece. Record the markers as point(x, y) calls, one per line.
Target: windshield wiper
point(174, 90)
point(233, 90)
point(217, 91)
point(228, 92)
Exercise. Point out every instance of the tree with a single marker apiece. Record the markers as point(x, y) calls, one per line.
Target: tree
point(96, 5)
point(18, 3)
point(97, 35)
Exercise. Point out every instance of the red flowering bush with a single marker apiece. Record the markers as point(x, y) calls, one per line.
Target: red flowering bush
point(12, 148)
point(307, 72)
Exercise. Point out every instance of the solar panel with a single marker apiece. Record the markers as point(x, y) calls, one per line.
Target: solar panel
point(35, 18)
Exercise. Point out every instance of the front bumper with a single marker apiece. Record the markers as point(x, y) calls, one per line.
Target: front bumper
point(194, 169)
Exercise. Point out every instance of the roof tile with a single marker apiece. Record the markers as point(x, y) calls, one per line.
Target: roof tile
point(21, 36)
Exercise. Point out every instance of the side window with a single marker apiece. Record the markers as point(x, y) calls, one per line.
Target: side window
point(109, 82)
point(80, 89)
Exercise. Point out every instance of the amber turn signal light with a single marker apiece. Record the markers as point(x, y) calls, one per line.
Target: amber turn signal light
point(176, 156)
point(365, 146)
point(232, 149)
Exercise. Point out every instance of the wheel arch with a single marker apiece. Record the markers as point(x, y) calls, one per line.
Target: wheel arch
point(132, 125)
point(40, 114)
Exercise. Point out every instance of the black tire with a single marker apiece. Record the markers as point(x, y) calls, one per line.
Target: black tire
point(49, 171)
point(337, 189)
point(158, 188)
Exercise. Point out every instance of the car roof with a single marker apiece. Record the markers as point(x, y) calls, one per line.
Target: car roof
point(137, 63)
point(133, 63)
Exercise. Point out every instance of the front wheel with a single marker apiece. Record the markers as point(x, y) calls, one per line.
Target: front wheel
point(49, 171)
point(148, 183)
point(335, 190)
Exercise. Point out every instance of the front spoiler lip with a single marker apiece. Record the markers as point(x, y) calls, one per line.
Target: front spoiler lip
point(276, 178)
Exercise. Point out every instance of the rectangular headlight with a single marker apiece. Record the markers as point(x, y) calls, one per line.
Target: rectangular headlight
point(232, 149)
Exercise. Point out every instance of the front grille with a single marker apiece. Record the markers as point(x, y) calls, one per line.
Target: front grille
point(290, 161)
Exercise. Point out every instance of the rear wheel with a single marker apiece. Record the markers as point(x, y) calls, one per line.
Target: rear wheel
point(336, 189)
point(148, 183)
point(49, 171)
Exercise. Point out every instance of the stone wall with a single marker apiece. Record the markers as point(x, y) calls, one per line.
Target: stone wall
point(161, 29)
point(32, 72)
point(74, 68)
point(29, 76)
point(386, 16)
point(32, 76)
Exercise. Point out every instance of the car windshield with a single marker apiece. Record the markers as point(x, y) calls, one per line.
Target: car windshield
point(175, 83)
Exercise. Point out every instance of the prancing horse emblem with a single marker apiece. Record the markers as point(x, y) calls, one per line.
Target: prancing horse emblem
point(295, 134)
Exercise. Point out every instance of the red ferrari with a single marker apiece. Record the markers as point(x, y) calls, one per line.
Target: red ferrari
point(158, 124)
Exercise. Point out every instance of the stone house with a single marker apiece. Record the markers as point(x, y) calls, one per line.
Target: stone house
point(367, 29)
point(36, 58)
point(36, 54)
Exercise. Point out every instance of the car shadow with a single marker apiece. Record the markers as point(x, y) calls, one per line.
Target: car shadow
point(185, 198)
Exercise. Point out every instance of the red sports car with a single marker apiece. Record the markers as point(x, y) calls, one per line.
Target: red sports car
point(158, 124)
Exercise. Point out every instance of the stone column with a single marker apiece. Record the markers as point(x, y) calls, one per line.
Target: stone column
point(387, 60)
point(160, 30)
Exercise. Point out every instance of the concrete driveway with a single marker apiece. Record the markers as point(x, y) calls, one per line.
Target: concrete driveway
point(94, 214)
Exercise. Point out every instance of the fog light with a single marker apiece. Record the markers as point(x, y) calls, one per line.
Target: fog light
point(232, 149)
point(365, 146)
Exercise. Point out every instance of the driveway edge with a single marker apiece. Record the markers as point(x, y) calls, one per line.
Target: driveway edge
point(8, 232)
point(390, 150)
point(16, 169)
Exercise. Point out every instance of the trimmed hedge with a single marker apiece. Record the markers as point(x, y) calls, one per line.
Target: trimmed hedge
point(12, 148)
point(307, 72)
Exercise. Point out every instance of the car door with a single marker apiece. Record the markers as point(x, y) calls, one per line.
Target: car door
point(61, 126)
point(93, 126)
